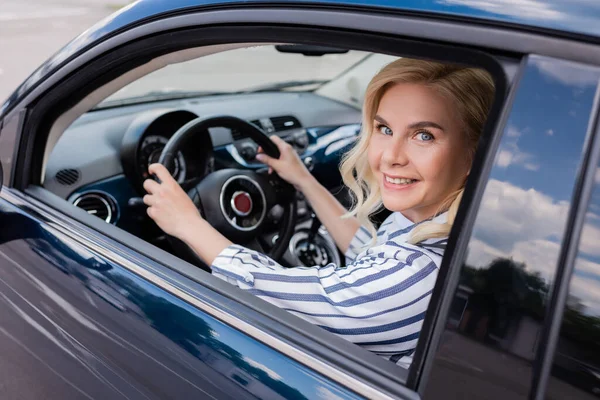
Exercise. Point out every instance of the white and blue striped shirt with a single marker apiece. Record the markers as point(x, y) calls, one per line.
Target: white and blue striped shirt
point(378, 300)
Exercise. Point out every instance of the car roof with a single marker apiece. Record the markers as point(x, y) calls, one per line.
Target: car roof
point(573, 17)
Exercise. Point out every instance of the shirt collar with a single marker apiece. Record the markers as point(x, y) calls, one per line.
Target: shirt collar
point(402, 222)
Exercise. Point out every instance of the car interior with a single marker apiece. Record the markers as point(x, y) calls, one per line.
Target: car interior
point(308, 95)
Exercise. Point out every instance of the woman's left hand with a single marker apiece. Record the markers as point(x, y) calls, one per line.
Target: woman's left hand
point(168, 205)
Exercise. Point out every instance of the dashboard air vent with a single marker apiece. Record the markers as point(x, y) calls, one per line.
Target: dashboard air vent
point(285, 123)
point(98, 204)
point(236, 135)
point(67, 176)
point(269, 125)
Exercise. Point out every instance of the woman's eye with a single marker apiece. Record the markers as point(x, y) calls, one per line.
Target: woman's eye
point(385, 130)
point(425, 136)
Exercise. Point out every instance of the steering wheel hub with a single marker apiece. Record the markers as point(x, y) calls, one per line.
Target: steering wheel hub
point(243, 202)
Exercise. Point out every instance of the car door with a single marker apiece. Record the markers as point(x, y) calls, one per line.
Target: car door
point(90, 312)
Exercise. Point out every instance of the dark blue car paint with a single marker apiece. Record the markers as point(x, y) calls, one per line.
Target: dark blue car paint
point(75, 325)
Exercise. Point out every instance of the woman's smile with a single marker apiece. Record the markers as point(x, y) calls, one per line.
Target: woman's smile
point(398, 183)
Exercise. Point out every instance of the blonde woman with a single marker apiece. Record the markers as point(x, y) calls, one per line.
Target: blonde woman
point(421, 124)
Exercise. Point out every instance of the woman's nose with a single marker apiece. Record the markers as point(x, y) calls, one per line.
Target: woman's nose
point(395, 153)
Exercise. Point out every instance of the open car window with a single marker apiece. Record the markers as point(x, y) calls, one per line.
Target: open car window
point(309, 96)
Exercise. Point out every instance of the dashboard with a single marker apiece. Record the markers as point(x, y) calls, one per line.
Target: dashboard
point(101, 160)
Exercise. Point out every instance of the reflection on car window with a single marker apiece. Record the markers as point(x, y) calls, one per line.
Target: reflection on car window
point(576, 369)
point(496, 318)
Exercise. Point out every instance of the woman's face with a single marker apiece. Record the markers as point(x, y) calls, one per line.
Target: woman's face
point(417, 151)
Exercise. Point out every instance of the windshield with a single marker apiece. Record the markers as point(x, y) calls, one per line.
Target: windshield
point(257, 68)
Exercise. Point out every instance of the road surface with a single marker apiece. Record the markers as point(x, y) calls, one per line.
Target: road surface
point(32, 31)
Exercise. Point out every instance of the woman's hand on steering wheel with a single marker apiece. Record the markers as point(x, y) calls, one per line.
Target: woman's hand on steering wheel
point(168, 204)
point(288, 166)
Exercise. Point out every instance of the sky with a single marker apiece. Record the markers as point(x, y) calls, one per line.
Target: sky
point(527, 199)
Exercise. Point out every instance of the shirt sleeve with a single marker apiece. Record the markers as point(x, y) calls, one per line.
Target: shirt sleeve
point(377, 301)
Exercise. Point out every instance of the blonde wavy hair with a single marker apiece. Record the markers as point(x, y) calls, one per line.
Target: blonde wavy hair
point(470, 89)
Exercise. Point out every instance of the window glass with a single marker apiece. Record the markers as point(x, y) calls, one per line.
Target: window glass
point(576, 369)
point(495, 320)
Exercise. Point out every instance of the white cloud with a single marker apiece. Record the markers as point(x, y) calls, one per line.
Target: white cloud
point(517, 213)
point(327, 394)
point(504, 158)
point(553, 13)
point(585, 265)
point(550, 132)
point(587, 290)
point(481, 254)
point(523, 8)
point(590, 240)
point(258, 365)
point(512, 131)
point(531, 166)
point(565, 72)
point(511, 155)
point(538, 256)
point(519, 223)
point(591, 216)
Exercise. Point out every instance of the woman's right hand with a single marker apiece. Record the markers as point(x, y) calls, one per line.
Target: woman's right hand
point(288, 166)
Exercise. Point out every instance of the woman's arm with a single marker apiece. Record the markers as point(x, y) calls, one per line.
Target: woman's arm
point(378, 301)
point(329, 211)
point(175, 213)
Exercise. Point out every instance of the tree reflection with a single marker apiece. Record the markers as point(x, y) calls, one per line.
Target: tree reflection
point(194, 334)
point(501, 295)
point(504, 304)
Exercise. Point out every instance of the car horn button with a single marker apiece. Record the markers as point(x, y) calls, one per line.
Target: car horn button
point(241, 203)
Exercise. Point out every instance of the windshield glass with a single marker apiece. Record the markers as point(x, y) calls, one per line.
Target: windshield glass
point(257, 68)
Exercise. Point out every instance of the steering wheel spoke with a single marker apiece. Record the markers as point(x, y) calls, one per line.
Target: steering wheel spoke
point(283, 191)
point(254, 244)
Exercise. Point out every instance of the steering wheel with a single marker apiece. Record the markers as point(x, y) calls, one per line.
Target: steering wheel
point(235, 201)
